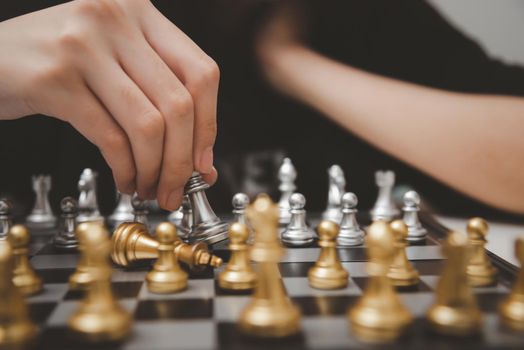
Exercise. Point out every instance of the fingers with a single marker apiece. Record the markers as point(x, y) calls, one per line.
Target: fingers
point(200, 75)
point(138, 117)
point(211, 178)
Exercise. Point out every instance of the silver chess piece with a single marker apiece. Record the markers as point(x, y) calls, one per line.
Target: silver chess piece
point(337, 187)
point(186, 222)
point(140, 210)
point(42, 215)
point(123, 211)
point(5, 218)
point(350, 232)
point(65, 239)
point(175, 217)
point(416, 232)
point(287, 175)
point(207, 227)
point(87, 201)
point(384, 208)
point(297, 233)
point(240, 202)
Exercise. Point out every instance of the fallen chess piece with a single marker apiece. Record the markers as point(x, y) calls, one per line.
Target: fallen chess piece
point(131, 242)
point(24, 276)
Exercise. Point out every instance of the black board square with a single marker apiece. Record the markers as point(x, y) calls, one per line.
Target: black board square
point(121, 290)
point(231, 337)
point(324, 305)
point(295, 269)
point(39, 312)
point(55, 275)
point(224, 292)
point(174, 309)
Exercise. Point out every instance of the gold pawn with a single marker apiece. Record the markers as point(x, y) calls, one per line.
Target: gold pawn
point(16, 329)
point(511, 310)
point(379, 316)
point(270, 312)
point(455, 311)
point(328, 272)
point(401, 272)
point(238, 274)
point(480, 270)
point(80, 278)
point(99, 317)
point(24, 276)
point(166, 276)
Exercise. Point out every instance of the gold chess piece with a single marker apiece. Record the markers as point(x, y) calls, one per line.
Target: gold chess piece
point(131, 242)
point(455, 311)
point(80, 278)
point(16, 329)
point(511, 310)
point(270, 312)
point(401, 272)
point(238, 274)
point(480, 270)
point(24, 276)
point(328, 272)
point(166, 276)
point(99, 316)
point(379, 315)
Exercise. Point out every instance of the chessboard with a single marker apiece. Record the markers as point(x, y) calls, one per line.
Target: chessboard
point(205, 316)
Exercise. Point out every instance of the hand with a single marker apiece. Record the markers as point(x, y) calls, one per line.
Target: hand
point(126, 78)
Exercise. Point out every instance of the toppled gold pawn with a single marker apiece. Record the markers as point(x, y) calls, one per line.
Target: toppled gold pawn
point(511, 310)
point(99, 317)
point(401, 272)
point(480, 270)
point(328, 273)
point(238, 274)
point(166, 276)
point(131, 242)
point(16, 329)
point(455, 311)
point(24, 276)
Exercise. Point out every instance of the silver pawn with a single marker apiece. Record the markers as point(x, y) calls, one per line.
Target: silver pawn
point(5, 218)
point(175, 217)
point(140, 210)
point(123, 211)
point(416, 232)
point(42, 215)
point(207, 227)
point(87, 201)
point(287, 175)
point(297, 233)
point(240, 202)
point(384, 208)
point(65, 239)
point(184, 227)
point(350, 232)
point(337, 187)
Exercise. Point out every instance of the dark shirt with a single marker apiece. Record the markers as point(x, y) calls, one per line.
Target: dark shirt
point(405, 39)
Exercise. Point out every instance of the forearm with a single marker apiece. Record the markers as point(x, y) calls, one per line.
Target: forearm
point(471, 142)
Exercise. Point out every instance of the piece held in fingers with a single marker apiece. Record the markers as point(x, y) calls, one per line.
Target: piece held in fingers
point(123, 211)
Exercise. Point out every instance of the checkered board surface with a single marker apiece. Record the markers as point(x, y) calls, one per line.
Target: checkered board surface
point(205, 316)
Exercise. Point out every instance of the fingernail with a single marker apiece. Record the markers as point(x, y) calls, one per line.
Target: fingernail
point(174, 200)
point(206, 161)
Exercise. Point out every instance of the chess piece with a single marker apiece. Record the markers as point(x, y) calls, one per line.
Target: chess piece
point(87, 201)
point(337, 187)
point(5, 218)
point(328, 272)
point(24, 276)
point(350, 232)
point(480, 271)
point(379, 316)
point(384, 208)
point(16, 328)
point(65, 239)
point(80, 278)
point(175, 217)
point(455, 311)
point(416, 233)
point(166, 276)
point(123, 211)
point(240, 202)
point(238, 274)
point(140, 211)
point(42, 215)
point(184, 229)
point(401, 272)
point(99, 318)
point(511, 310)
point(207, 227)
point(132, 242)
point(270, 313)
point(297, 233)
point(287, 175)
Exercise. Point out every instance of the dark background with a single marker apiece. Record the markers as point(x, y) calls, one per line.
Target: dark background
point(405, 39)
